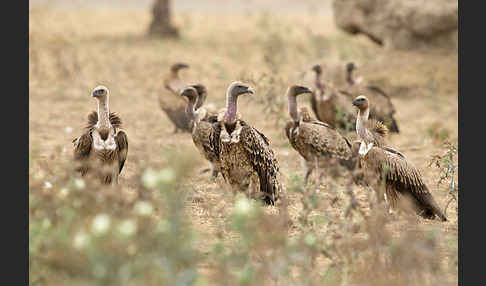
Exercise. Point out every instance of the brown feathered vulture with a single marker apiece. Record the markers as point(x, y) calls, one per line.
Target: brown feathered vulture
point(102, 149)
point(205, 130)
point(382, 109)
point(170, 101)
point(386, 165)
point(330, 105)
point(247, 161)
point(317, 142)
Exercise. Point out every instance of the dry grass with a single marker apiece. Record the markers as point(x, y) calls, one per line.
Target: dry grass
point(309, 240)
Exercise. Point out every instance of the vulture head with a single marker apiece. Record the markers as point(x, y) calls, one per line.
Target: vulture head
point(317, 69)
point(361, 102)
point(295, 90)
point(189, 92)
point(202, 94)
point(201, 89)
point(178, 66)
point(292, 93)
point(100, 92)
point(238, 88)
point(351, 66)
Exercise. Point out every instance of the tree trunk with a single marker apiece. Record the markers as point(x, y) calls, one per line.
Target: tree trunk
point(161, 25)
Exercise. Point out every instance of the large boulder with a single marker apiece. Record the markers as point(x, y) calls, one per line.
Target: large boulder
point(401, 24)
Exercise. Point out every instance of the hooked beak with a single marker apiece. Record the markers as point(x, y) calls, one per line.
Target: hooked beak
point(251, 91)
point(355, 102)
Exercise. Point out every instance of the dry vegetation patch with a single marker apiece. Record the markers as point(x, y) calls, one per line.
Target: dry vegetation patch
point(167, 224)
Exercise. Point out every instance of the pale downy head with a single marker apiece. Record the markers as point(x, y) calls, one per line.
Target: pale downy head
point(100, 92)
point(295, 90)
point(361, 102)
point(238, 88)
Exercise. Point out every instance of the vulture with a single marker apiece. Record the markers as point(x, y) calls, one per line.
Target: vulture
point(172, 103)
point(382, 109)
point(204, 128)
point(317, 142)
point(102, 149)
point(384, 164)
point(330, 105)
point(244, 152)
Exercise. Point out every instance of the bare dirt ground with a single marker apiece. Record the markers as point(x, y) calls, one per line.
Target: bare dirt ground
point(72, 51)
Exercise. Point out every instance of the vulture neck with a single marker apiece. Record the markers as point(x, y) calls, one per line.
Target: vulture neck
point(361, 122)
point(174, 74)
point(349, 77)
point(200, 100)
point(103, 112)
point(292, 101)
point(190, 110)
point(231, 108)
point(319, 84)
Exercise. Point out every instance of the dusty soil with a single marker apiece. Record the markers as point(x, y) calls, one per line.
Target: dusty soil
point(71, 51)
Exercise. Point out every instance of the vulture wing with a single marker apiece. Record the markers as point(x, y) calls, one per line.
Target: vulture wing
point(122, 146)
point(324, 139)
point(82, 148)
point(403, 177)
point(263, 161)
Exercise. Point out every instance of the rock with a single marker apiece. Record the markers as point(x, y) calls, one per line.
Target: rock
point(398, 24)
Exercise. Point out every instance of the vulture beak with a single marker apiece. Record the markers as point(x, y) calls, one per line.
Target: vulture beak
point(355, 102)
point(250, 90)
point(306, 90)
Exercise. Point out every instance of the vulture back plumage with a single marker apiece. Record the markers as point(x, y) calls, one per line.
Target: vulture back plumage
point(382, 108)
point(247, 161)
point(317, 142)
point(330, 105)
point(386, 165)
point(171, 103)
point(205, 129)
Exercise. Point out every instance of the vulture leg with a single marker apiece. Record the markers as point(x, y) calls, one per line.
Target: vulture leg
point(215, 173)
point(308, 172)
point(318, 172)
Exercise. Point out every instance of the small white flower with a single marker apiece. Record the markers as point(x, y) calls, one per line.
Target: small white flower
point(68, 129)
point(63, 193)
point(80, 240)
point(79, 184)
point(167, 175)
point(127, 227)
point(101, 224)
point(310, 239)
point(150, 178)
point(242, 206)
point(143, 208)
point(47, 185)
